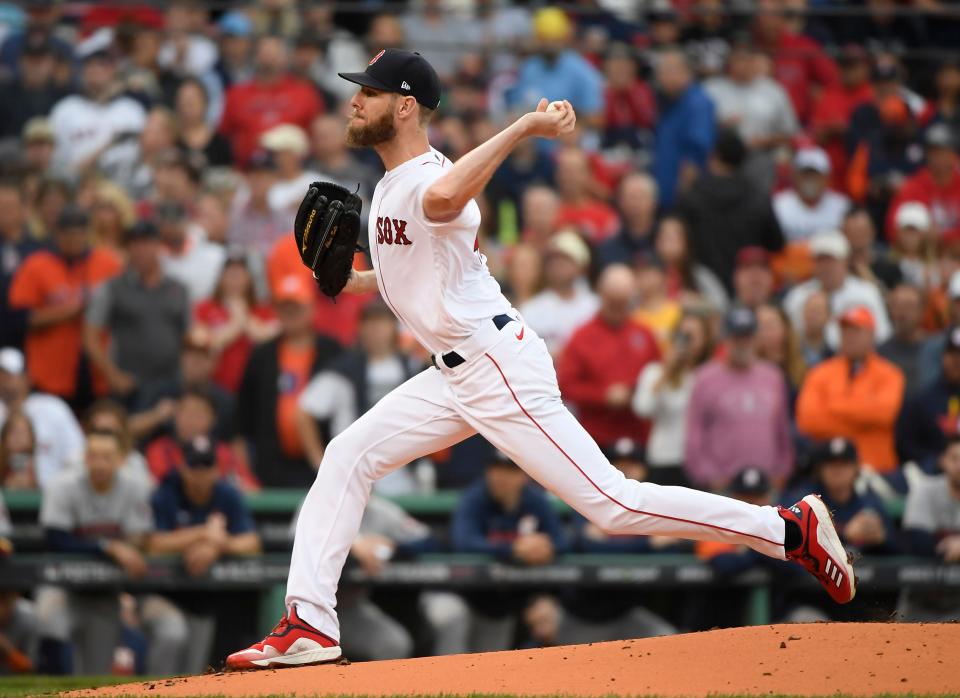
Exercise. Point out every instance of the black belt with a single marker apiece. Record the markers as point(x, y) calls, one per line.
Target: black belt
point(452, 359)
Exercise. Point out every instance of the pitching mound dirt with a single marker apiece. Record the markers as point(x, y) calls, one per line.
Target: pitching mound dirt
point(821, 659)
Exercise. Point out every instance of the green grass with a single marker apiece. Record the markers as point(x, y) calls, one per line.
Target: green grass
point(51, 685)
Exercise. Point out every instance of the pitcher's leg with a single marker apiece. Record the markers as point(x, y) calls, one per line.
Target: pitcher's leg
point(529, 422)
point(410, 422)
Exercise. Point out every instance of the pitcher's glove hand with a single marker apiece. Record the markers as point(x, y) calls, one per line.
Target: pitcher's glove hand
point(326, 230)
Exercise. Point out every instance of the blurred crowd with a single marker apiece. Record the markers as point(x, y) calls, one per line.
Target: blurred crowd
point(745, 262)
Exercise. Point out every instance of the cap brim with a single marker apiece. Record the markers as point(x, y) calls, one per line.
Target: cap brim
point(366, 81)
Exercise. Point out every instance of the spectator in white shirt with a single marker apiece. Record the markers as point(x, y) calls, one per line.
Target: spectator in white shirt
point(663, 393)
point(831, 275)
point(809, 206)
point(57, 435)
point(288, 145)
point(97, 127)
point(567, 301)
point(190, 258)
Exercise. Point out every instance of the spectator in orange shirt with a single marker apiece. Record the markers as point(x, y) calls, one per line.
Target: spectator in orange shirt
point(54, 287)
point(856, 394)
point(276, 374)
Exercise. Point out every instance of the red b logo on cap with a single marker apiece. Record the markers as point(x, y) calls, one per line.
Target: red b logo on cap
point(376, 58)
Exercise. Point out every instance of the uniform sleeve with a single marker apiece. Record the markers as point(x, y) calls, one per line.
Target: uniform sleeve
point(469, 217)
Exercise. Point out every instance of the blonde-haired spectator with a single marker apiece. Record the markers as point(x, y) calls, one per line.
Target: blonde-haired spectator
point(112, 215)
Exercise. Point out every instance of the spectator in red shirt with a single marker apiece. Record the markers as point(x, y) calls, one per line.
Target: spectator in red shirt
point(273, 97)
point(937, 184)
point(630, 109)
point(602, 361)
point(831, 115)
point(579, 208)
point(235, 321)
point(799, 63)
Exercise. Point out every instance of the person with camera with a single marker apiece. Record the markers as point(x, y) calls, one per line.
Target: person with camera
point(663, 393)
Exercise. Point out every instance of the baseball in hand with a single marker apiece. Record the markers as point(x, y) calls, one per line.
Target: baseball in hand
point(555, 106)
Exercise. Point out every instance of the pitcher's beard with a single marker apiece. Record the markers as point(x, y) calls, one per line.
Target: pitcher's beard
point(373, 133)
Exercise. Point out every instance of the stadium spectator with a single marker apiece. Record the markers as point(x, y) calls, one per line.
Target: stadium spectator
point(556, 71)
point(777, 343)
point(799, 63)
point(33, 91)
point(157, 143)
point(868, 260)
point(234, 62)
point(109, 415)
point(831, 253)
point(54, 287)
point(856, 394)
point(234, 320)
point(38, 142)
point(830, 119)
point(932, 417)
point(903, 348)
point(813, 334)
point(189, 259)
point(945, 108)
point(655, 309)
point(630, 112)
point(276, 374)
point(254, 224)
point(685, 126)
point(443, 32)
point(16, 245)
point(915, 246)
point(931, 522)
point(97, 127)
point(289, 147)
point(738, 412)
point(195, 136)
point(539, 207)
point(155, 399)
point(270, 98)
point(353, 382)
point(756, 107)
point(200, 517)
point(637, 206)
point(686, 279)
point(566, 302)
point(176, 179)
point(18, 634)
point(55, 434)
point(663, 394)
point(18, 453)
point(599, 366)
point(95, 510)
point(861, 518)
point(194, 416)
point(936, 185)
point(523, 269)
point(809, 206)
point(579, 205)
point(505, 516)
point(752, 277)
point(724, 213)
point(111, 215)
point(146, 314)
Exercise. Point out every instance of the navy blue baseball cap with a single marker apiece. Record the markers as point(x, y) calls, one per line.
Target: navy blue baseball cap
point(405, 72)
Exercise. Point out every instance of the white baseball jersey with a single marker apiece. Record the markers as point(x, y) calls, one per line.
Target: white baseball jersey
point(431, 274)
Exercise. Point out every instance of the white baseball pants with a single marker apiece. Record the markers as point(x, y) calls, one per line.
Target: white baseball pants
point(507, 391)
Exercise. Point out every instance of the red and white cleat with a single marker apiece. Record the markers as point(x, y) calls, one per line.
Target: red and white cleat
point(291, 643)
point(821, 553)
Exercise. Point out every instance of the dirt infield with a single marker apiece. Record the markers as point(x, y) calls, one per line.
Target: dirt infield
point(820, 659)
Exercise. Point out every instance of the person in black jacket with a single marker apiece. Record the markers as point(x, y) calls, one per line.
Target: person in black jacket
point(275, 376)
point(725, 212)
